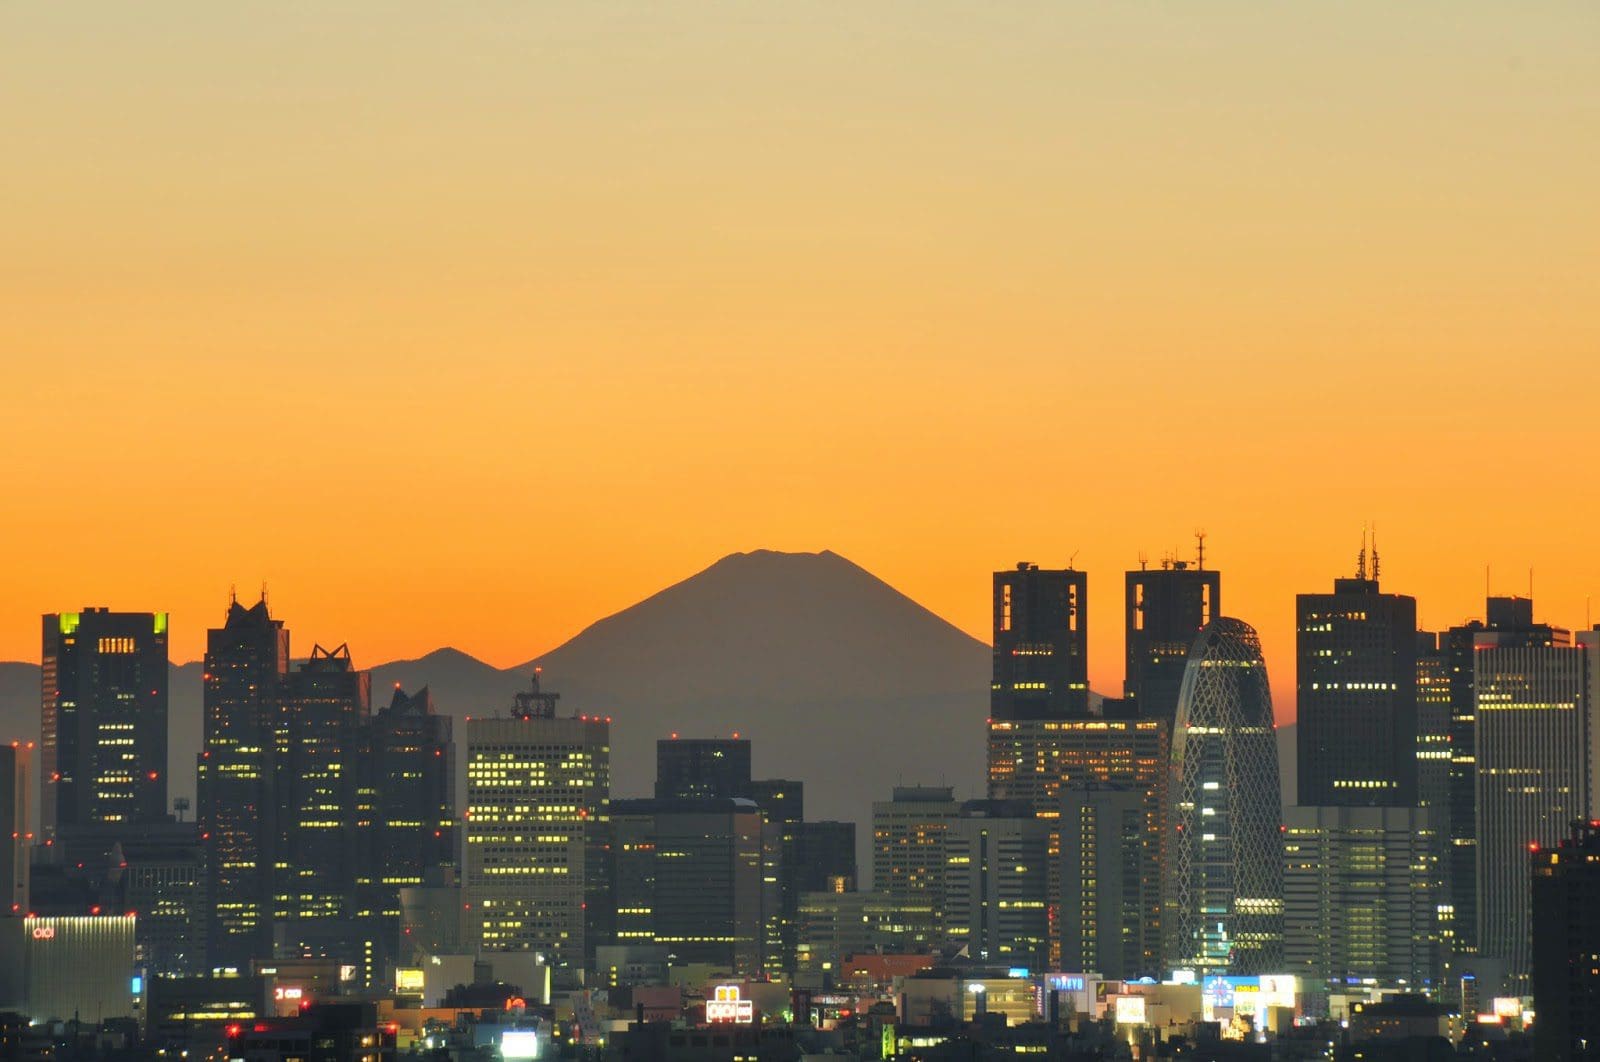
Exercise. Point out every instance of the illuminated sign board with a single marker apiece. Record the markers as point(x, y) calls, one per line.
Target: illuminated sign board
point(727, 1006)
point(520, 1043)
point(1130, 1010)
point(1507, 1007)
point(283, 992)
point(408, 980)
point(44, 932)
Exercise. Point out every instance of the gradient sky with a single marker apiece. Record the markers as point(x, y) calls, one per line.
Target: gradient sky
point(470, 323)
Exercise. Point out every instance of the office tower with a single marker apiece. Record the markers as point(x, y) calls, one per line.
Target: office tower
point(1108, 881)
point(996, 883)
point(908, 853)
point(408, 768)
point(1360, 889)
point(1163, 610)
point(827, 857)
point(246, 662)
point(16, 762)
point(319, 740)
point(1034, 760)
point(697, 768)
point(158, 871)
point(782, 803)
point(1356, 687)
point(1433, 730)
point(690, 875)
point(1537, 739)
point(1041, 635)
point(835, 925)
point(631, 868)
point(1510, 619)
point(1566, 940)
point(1223, 897)
point(104, 718)
point(537, 825)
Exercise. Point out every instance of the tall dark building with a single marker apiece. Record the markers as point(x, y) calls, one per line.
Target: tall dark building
point(246, 662)
point(1566, 939)
point(1356, 690)
point(1163, 611)
point(1511, 620)
point(103, 721)
point(325, 707)
point(827, 858)
point(782, 803)
point(16, 778)
point(702, 768)
point(1041, 644)
point(409, 766)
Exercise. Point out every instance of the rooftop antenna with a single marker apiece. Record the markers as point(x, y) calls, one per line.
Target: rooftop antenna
point(263, 591)
point(233, 593)
point(1361, 558)
point(1200, 548)
point(1073, 558)
point(1144, 560)
point(1374, 552)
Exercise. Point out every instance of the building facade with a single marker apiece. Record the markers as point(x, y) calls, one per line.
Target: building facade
point(1163, 610)
point(1041, 644)
point(1538, 751)
point(1108, 880)
point(1566, 940)
point(103, 719)
point(997, 879)
point(1356, 687)
point(1223, 894)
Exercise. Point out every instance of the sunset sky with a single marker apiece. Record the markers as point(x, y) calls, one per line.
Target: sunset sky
point(468, 324)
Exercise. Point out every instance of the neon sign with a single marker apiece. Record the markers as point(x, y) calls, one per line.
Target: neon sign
point(726, 1005)
point(44, 932)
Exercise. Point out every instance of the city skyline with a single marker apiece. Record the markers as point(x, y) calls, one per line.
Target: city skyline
point(564, 319)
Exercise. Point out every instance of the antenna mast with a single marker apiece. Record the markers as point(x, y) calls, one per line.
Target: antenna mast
point(1374, 552)
point(1361, 558)
point(1200, 548)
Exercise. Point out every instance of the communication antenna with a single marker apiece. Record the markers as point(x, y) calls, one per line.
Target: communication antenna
point(263, 591)
point(1374, 552)
point(1072, 559)
point(1144, 560)
point(233, 593)
point(1200, 548)
point(1361, 558)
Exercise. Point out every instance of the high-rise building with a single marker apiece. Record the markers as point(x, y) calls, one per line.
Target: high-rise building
point(1223, 894)
point(997, 875)
point(908, 851)
point(835, 925)
point(1566, 941)
point(1360, 892)
point(1511, 620)
point(1356, 687)
point(827, 857)
point(103, 720)
point(16, 778)
point(1537, 744)
point(1433, 730)
point(713, 901)
point(701, 768)
point(408, 769)
point(537, 826)
point(319, 862)
point(1034, 760)
point(1041, 644)
point(782, 804)
point(1163, 610)
point(246, 662)
point(1109, 882)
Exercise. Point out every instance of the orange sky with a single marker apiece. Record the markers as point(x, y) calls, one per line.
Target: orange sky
point(470, 325)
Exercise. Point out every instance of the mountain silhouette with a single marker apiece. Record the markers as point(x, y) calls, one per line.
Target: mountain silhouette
point(838, 679)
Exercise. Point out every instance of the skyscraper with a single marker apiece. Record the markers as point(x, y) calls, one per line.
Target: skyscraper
point(1108, 881)
point(325, 706)
point(1566, 939)
point(696, 768)
point(1537, 739)
point(1041, 644)
point(246, 662)
point(1224, 874)
point(103, 719)
point(16, 779)
point(1360, 893)
point(996, 883)
point(1356, 687)
point(908, 854)
point(782, 804)
point(538, 820)
point(1511, 620)
point(1163, 611)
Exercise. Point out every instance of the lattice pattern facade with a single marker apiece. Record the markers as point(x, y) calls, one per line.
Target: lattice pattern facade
point(1224, 890)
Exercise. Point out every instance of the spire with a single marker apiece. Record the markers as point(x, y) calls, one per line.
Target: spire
point(1361, 558)
point(1200, 548)
point(1374, 552)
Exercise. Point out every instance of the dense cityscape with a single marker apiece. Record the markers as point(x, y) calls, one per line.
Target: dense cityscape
point(366, 874)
